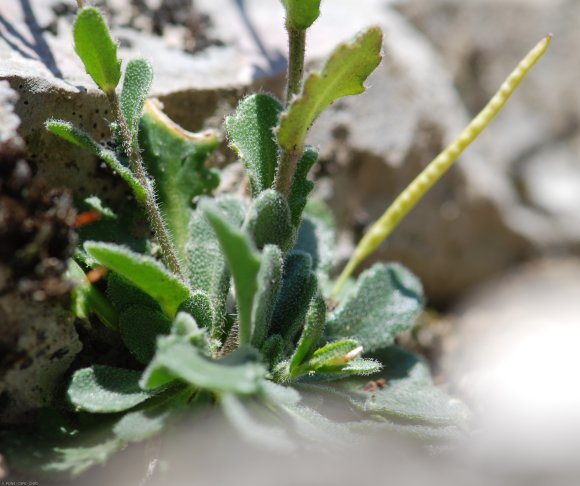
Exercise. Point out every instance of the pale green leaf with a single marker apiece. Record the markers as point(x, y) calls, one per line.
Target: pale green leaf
point(136, 86)
point(301, 14)
point(311, 333)
point(269, 220)
point(104, 389)
point(385, 302)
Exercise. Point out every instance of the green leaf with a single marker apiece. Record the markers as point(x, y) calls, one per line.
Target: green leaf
point(200, 307)
point(385, 302)
point(86, 298)
point(301, 186)
point(97, 49)
point(104, 389)
point(408, 393)
point(244, 263)
point(123, 294)
point(178, 359)
point(274, 349)
point(316, 237)
point(269, 278)
point(269, 221)
point(136, 86)
point(298, 287)
point(312, 332)
point(250, 130)
point(140, 326)
point(343, 74)
point(78, 137)
point(176, 160)
point(185, 326)
point(301, 14)
point(207, 267)
point(332, 354)
point(144, 272)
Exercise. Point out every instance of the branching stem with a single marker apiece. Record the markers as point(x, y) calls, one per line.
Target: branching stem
point(153, 212)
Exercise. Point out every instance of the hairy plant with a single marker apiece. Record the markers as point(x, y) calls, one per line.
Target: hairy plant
point(228, 303)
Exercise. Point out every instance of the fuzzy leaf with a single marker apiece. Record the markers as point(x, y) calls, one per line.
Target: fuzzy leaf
point(298, 287)
point(269, 220)
point(139, 328)
point(332, 354)
point(97, 49)
point(207, 268)
point(122, 293)
point(76, 136)
point(200, 307)
point(312, 332)
point(302, 186)
point(408, 394)
point(175, 159)
point(269, 278)
point(316, 237)
point(274, 349)
point(178, 359)
point(301, 14)
point(136, 86)
point(343, 74)
point(385, 302)
point(144, 272)
point(104, 389)
point(244, 264)
point(250, 130)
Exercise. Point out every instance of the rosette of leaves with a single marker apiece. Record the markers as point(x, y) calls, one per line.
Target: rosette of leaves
point(245, 323)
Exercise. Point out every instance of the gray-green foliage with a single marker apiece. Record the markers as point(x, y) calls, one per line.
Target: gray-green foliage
point(245, 323)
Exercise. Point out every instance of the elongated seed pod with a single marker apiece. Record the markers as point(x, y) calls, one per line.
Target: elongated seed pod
point(433, 172)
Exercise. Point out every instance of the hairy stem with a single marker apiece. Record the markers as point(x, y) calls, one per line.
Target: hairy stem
point(285, 173)
point(153, 212)
point(296, 49)
point(435, 170)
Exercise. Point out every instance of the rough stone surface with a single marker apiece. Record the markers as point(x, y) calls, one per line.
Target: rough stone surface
point(38, 343)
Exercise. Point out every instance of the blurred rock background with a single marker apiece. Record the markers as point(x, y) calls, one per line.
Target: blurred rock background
point(513, 197)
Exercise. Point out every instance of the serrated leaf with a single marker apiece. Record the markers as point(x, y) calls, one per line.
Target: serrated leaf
point(301, 186)
point(244, 264)
point(207, 268)
point(301, 14)
point(408, 393)
point(144, 272)
point(176, 159)
point(97, 49)
point(250, 130)
point(298, 287)
point(178, 359)
point(343, 74)
point(76, 136)
point(269, 220)
point(311, 333)
point(385, 302)
point(136, 86)
point(104, 389)
point(140, 326)
point(269, 278)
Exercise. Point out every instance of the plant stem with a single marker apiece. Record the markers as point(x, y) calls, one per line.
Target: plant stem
point(151, 207)
point(289, 159)
point(296, 50)
point(407, 200)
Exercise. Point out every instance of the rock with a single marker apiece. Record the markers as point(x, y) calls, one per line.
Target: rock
point(515, 360)
point(38, 343)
